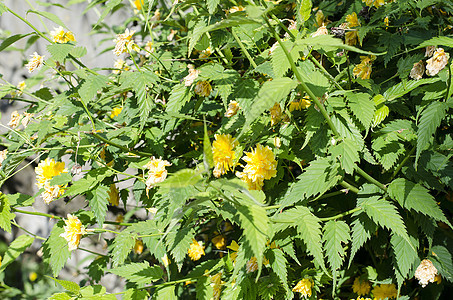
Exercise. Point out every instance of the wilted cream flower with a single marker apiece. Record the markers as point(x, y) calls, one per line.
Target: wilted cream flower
point(223, 153)
point(304, 287)
point(20, 88)
point(120, 65)
point(417, 70)
point(3, 156)
point(261, 165)
point(363, 70)
point(203, 88)
point(321, 31)
point(251, 265)
point(236, 9)
point(437, 62)
point(15, 118)
point(426, 272)
point(360, 287)
point(35, 62)
point(123, 42)
point(60, 36)
point(233, 108)
point(51, 192)
point(196, 250)
point(193, 74)
point(114, 195)
point(276, 114)
point(26, 119)
point(156, 16)
point(73, 231)
point(429, 51)
point(156, 171)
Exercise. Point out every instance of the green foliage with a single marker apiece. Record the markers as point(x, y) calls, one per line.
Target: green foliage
point(140, 273)
point(55, 249)
point(17, 247)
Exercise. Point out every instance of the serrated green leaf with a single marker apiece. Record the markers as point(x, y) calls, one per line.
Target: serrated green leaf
point(60, 296)
point(329, 43)
point(68, 285)
point(108, 8)
point(179, 96)
point(437, 41)
point(12, 39)
point(212, 5)
point(5, 213)
point(89, 89)
point(304, 10)
point(78, 52)
point(430, 119)
point(179, 243)
point(19, 200)
point(362, 229)
point(91, 179)
point(278, 263)
point(319, 177)
point(405, 87)
point(140, 273)
point(59, 51)
point(414, 196)
point(197, 32)
point(442, 259)
point(55, 249)
point(182, 178)
point(99, 199)
point(280, 63)
point(134, 294)
point(347, 153)
point(380, 114)
point(404, 254)
point(122, 246)
point(362, 107)
point(97, 268)
point(19, 245)
point(208, 156)
point(48, 15)
point(166, 292)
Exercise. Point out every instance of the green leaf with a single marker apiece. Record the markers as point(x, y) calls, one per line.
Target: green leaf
point(16, 247)
point(55, 249)
point(304, 9)
point(347, 153)
point(404, 254)
point(437, 41)
point(182, 178)
point(405, 87)
point(134, 294)
point(380, 114)
point(97, 268)
point(179, 96)
point(108, 8)
point(362, 107)
point(329, 43)
point(122, 246)
point(11, 40)
point(59, 51)
point(414, 196)
point(91, 179)
point(68, 285)
point(280, 63)
point(430, 119)
point(208, 156)
point(212, 5)
point(3, 8)
point(179, 242)
point(78, 52)
point(335, 233)
point(255, 223)
point(89, 89)
point(319, 177)
point(60, 296)
point(99, 199)
point(362, 229)
point(48, 15)
point(278, 264)
point(442, 259)
point(166, 292)
point(140, 273)
point(20, 200)
point(197, 32)
point(5, 213)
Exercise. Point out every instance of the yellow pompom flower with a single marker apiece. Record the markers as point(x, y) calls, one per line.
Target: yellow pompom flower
point(114, 196)
point(123, 42)
point(223, 153)
point(32, 276)
point(15, 119)
point(35, 62)
point(73, 231)
point(383, 291)
point(61, 36)
point(19, 89)
point(138, 247)
point(361, 288)
point(51, 192)
point(251, 265)
point(304, 287)
point(48, 169)
point(196, 250)
point(261, 165)
point(363, 70)
point(120, 65)
point(203, 88)
point(156, 171)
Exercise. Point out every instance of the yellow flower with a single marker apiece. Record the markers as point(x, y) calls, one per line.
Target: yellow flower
point(172, 34)
point(361, 288)
point(437, 62)
point(114, 196)
point(203, 88)
point(351, 37)
point(363, 70)
point(386, 22)
point(304, 287)
point(32, 276)
point(115, 112)
point(26, 119)
point(417, 70)
point(15, 118)
point(261, 165)
point(120, 65)
point(0, 261)
point(235, 247)
point(383, 291)
point(19, 89)
point(426, 272)
point(73, 231)
point(193, 74)
point(138, 4)
point(301, 104)
point(35, 62)
point(51, 192)
point(196, 250)
point(276, 114)
point(47, 169)
point(361, 298)
point(138, 247)
point(352, 20)
point(251, 265)
point(205, 53)
point(3, 156)
point(233, 108)
point(156, 171)
point(62, 37)
point(438, 279)
point(219, 241)
point(216, 283)
point(375, 3)
point(166, 260)
point(321, 31)
point(123, 42)
point(223, 153)
point(236, 9)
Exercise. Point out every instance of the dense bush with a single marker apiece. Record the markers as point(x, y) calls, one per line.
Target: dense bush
point(282, 149)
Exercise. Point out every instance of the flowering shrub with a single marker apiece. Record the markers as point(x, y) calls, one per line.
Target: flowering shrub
point(280, 149)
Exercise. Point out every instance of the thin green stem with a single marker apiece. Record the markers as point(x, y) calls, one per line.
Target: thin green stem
point(403, 162)
point(139, 153)
point(447, 95)
point(101, 230)
point(88, 113)
point(21, 99)
point(348, 69)
point(349, 187)
point(320, 66)
point(35, 213)
point(349, 212)
point(244, 50)
point(29, 232)
point(371, 179)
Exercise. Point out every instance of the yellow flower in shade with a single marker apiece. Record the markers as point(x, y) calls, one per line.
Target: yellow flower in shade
point(261, 165)
point(438, 279)
point(32, 276)
point(156, 171)
point(120, 65)
point(375, 3)
point(73, 231)
point(363, 70)
point(233, 108)
point(15, 119)
point(138, 247)
point(352, 20)
point(251, 265)
point(123, 42)
point(386, 22)
point(300, 104)
point(61, 36)
point(0, 261)
point(360, 287)
point(166, 260)
point(426, 272)
point(193, 74)
point(236, 9)
point(149, 48)
point(114, 195)
point(47, 169)
point(361, 298)
point(383, 291)
point(138, 4)
point(276, 114)
point(304, 287)
point(115, 112)
point(219, 241)
point(223, 153)
point(321, 31)
point(3, 156)
point(437, 62)
point(235, 247)
point(203, 88)
point(26, 119)
point(216, 283)
point(35, 62)
point(195, 251)
point(19, 89)
point(417, 70)
point(205, 53)
point(351, 37)
point(51, 192)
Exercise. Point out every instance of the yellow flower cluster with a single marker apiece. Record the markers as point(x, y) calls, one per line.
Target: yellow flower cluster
point(156, 172)
point(196, 250)
point(16, 118)
point(261, 165)
point(363, 70)
point(61, 36)
point(115, 112)
point(304, 287)
point(120, 65)
point(216, 283)
point(360, 287)
point(375, 3)
point(45, 171)
point(223, 153)
point(351, 36)
point(19, 89)
point(138, 247)
point(73, 232)
point(124, 42)
point(383, 291)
